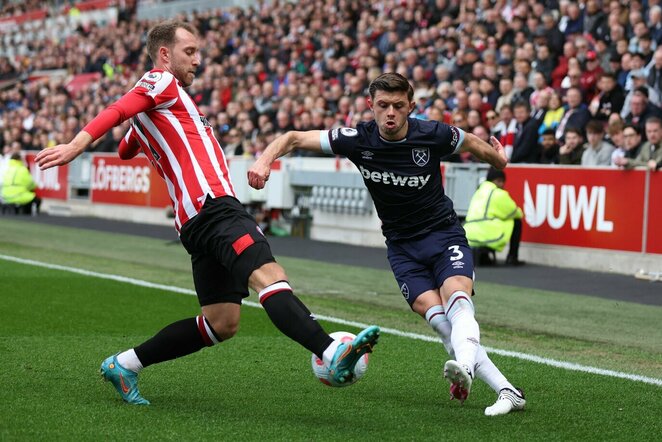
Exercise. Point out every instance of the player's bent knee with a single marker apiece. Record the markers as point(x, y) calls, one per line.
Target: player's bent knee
point(223, 318)
point(426, 300)
point(225, 329)
point(456, 284)
point(266, 275)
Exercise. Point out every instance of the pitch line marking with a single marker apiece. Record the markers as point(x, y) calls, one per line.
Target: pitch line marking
point(391, 331)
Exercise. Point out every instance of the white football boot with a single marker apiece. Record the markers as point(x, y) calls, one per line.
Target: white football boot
point(460, 378)
point(507, 401)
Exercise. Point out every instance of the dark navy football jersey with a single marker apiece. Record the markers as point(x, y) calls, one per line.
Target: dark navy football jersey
point(403, 177)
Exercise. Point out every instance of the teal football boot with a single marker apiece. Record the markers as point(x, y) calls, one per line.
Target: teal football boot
point(341, 368)
point(125, 381)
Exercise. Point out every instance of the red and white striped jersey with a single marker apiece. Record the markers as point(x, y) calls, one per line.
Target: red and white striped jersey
point(178, 140)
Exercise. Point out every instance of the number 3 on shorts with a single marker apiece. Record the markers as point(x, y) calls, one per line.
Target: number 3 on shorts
point(457, 253)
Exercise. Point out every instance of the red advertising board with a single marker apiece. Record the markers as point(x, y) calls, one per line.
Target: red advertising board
point(597, 208)
point(132, 182)
point(654, 243)
point(51, 183)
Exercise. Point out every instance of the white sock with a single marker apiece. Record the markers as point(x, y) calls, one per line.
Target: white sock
point(439, 323)
point(129, 360)
point(330, 351)
point(465, 333)
point(489, 373)
point(485, 369)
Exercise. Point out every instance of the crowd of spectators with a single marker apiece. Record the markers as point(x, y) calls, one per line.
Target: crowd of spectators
point(13, 8)
point(558, 82)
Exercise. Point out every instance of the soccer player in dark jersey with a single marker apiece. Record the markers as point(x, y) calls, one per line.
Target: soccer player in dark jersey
point(398, 158)
point(228, 251)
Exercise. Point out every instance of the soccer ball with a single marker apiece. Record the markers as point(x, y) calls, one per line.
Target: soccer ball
point(321, 370)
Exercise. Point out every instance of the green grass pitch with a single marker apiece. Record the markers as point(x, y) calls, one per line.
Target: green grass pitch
point(56, 327)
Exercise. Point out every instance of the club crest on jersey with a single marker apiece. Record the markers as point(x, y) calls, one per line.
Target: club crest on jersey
point(421, 156)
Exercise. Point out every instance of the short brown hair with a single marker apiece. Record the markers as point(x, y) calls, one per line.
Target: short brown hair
point(654, 120)
point(163, 34)
point(615, 127)
point(595, 127)
point(391, 82)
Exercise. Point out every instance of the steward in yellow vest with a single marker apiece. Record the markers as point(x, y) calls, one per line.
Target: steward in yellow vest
point(18, 186)
point(492, 217)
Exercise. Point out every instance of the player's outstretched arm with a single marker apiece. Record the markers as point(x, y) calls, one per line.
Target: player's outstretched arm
point(132, 103)
point(63, 153)
point(258, 174)
point(493, 154)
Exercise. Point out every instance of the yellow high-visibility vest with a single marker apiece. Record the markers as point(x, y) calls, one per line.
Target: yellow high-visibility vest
point(17, 184)
point(489, 221)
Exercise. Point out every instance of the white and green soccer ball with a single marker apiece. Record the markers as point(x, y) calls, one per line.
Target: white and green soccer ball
point(321, 370)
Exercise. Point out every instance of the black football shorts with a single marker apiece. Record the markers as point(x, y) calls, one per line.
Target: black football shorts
point(226, 246)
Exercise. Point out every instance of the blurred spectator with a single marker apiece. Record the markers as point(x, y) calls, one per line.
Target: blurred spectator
point(562, 66)
point(549, 148)
point(110, 141)
point(506, 92)
point(573, 148)
point(630, 147)
point(544, 63)
point(553, 114)
point(650, 154)
point(540, 87)
point(639, 84)
point(576, 114)
point(655, 23)
point(597, 151)
point(590, 75)
point(615, 135)
point(640, 109)
point(595, 20)
point(232, 145)
point(522, 90)
point(637, 66)
point(610, 99)
point(555, 38)
point(654, 79)
point(506, 129)
point(525, 146)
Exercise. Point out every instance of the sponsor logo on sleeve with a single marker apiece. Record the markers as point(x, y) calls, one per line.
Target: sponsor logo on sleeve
point(334, 134)
point(153, 76)
point(146, 85)
point(348, 131)
point(456, 137)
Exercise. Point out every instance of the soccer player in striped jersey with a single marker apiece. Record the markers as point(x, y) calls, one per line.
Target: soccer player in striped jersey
point(427, 248)
point(229, 252)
